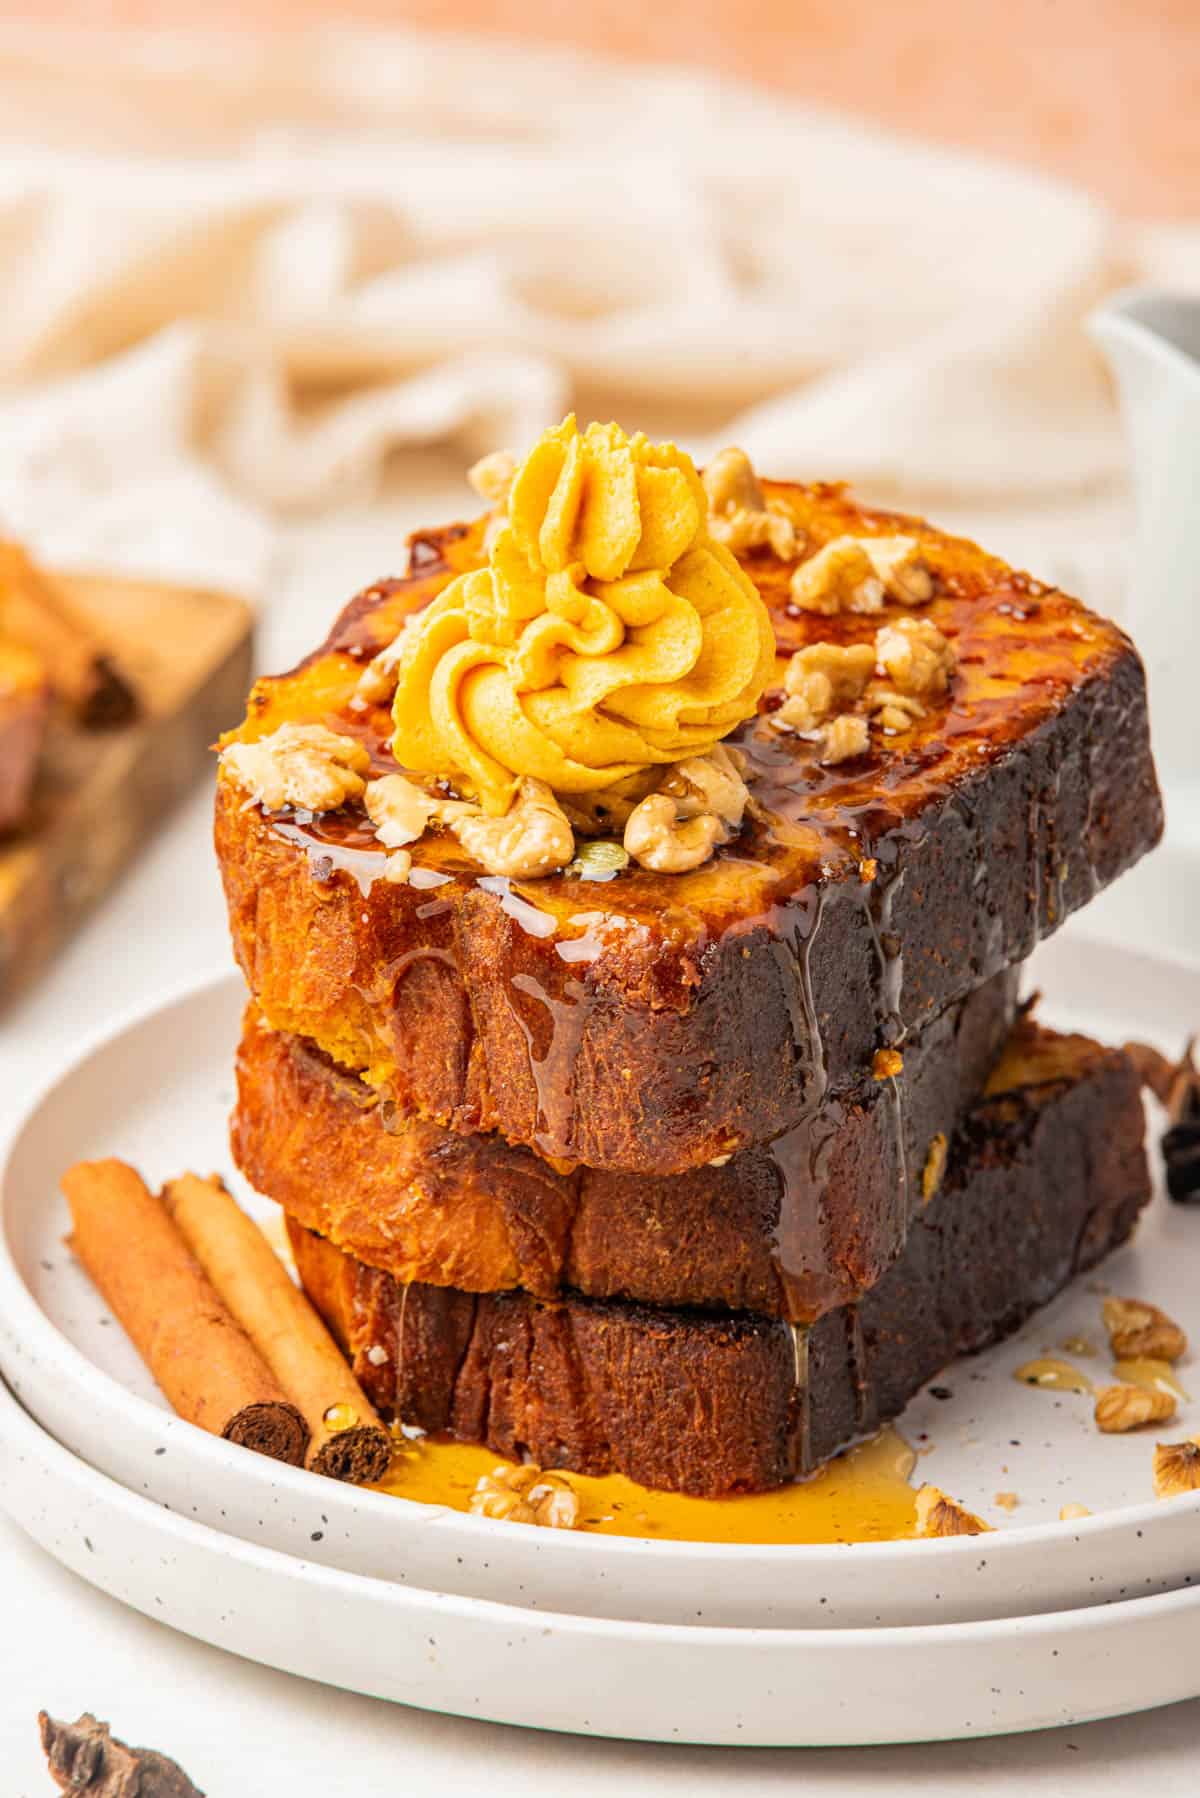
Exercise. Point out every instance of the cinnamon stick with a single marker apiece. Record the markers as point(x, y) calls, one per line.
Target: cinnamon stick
point(207, 1367)
point(348, 1440)
point(85, 1757)
point(82, 670)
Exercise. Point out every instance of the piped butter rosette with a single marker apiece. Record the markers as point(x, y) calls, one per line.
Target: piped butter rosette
point(607, 634)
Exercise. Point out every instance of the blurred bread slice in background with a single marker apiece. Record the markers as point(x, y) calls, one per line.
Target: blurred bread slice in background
point(80, 667)
point(24, 706)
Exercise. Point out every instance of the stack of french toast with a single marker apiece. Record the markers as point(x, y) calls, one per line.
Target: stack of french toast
point(633, 899)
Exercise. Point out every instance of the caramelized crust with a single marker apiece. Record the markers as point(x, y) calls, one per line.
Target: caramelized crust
point(791, 1228)
point(653, 1023)
point(709, 1404)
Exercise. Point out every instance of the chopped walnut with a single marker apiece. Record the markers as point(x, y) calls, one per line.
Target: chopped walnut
point(935, 1167)
point(887, 1063)
point(492, 477)
point(856, 574)
point(526, 1495)
point(1070, 1513)
point(897, 562)
point(841, 577)
point(740, 515)
point(399, 810)
point(657, 838)
point(1121, 1408)
point(893, 712)
point(914, 657)
point(606, 812)
point(843, 738)
point(823, 680)
point(302, 765)
point(377, 682)
point(1137, 1330)
point(531, 839)
point(398, 867)
point(938, 1515)
point(709, 783)
point(1176, 1468)
point(701, 803)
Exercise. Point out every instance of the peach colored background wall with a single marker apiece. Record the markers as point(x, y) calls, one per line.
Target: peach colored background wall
point(1104, 91)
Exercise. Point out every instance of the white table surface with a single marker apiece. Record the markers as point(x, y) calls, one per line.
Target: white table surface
point(246, 1732)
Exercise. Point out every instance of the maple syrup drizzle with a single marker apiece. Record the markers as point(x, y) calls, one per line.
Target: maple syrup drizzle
point(863, 1496)
point(1055, 1375)
point(1154, 1375)
point(801, 1414)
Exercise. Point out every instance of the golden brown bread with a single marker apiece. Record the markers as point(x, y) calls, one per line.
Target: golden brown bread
point(790, 1228)
point(37, 615)
point(1044, 1179)
point(24, 707)
point(656, 1022)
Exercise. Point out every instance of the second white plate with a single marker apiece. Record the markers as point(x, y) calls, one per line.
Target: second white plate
point(641, 1681)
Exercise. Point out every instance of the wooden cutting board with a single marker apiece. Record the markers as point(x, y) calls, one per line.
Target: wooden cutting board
point(100, 793)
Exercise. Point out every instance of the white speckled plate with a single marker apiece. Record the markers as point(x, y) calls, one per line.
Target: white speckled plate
point(643, 1681)
point(157, 1091)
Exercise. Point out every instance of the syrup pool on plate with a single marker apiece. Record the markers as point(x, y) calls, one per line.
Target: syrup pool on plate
point(863, 1496)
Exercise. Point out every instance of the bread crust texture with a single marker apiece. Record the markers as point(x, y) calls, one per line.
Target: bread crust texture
point(715, 1403)
point(791, 1228)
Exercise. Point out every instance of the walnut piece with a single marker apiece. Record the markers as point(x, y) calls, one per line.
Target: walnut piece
point(914, 657)
point(1176, 1468)
point(398, 867)
point(1137, 1330)
point(657, 838)
point(893, 712)
point(399, 810)
point(886, 1064)
point(531, 839)
point(822, 681)
point(856, 574)
point(841, 577)
point(700, 803)
point(938, 1515)
point(606, 812)
point(897, 562)
point(526, 1495)
point(843, 738)
point(1121, 1408)
point(377, 682)
point(740, 515)
point(492, 477)
point(301, 765)
point(709, 783)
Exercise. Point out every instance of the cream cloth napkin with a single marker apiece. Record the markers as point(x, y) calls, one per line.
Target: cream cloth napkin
point(236, 274)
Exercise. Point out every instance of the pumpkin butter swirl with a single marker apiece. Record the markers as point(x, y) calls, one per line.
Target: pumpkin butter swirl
point(608, 633)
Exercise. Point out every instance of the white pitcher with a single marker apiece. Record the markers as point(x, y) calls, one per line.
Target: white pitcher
point(1152, 341)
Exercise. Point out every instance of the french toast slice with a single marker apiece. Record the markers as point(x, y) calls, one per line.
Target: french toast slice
point(792, 1228)
point(24, 710)
point(1047, 1174)
point(653, 1023)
